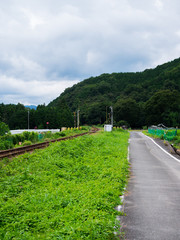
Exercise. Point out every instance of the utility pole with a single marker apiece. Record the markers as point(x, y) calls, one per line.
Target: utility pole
point(106, 116)
point(74, 119)
point(28, 118)
point(78, 118)
point(111, 115)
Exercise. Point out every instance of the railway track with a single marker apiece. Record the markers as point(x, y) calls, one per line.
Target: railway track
point(21, 150)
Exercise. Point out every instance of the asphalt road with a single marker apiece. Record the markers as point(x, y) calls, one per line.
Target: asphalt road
point(152, 201)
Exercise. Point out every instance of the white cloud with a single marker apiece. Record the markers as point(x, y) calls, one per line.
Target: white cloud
point(53, 43)
point(32, 92)
point(159, 4)
point(34, 20)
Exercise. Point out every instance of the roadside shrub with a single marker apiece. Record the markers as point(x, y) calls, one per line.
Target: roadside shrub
point(8, 144)
point(2, 145)
point(177, 141)
point(16, 138)
point(48, 134)
point(26, 143)
point(59, 134)
point(26, 135)
point(33, 137)
point(62, 134)
point(3, 128)
point(161, 137)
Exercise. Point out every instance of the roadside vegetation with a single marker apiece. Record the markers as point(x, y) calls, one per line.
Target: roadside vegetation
point(66, 191)
point(8, 141)
point(175, 140)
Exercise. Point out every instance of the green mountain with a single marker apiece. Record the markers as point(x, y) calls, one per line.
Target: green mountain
point(129, 94)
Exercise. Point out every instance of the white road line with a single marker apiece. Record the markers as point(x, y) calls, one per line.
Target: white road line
point(162, 149)
point(128, 156)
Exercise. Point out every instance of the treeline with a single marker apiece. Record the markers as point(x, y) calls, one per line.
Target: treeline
point(162, 107)
point(139, 99)
point(16, 116)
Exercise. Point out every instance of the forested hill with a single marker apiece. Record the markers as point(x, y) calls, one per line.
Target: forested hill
point(131, 95)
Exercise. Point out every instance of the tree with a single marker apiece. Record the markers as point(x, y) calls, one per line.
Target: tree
point(128, 110)
point(163, 107)
point(3, 128)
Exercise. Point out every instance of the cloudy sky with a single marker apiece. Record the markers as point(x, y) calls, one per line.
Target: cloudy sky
point(49, 45)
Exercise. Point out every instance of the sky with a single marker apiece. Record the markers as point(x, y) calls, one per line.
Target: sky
point(47, 46)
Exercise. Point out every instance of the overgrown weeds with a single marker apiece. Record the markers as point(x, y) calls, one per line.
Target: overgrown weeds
point(66, 191)
point(10, 141)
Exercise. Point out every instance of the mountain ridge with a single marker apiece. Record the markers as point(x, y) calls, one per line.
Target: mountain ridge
point(108, 88)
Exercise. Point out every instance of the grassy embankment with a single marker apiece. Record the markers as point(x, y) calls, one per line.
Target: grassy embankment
point(66, 191)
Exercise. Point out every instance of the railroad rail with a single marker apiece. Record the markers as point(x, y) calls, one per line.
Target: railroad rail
point(21, 150)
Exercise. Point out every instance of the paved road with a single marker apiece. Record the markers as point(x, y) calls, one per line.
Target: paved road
point(152, 202)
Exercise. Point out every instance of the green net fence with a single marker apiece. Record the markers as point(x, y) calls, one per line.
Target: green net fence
point(167, 134)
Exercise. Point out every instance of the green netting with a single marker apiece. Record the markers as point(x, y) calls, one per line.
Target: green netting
point(40, 136)
point(167, 134)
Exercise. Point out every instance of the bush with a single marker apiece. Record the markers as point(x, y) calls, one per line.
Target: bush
point(26, 143)
point(177, 141)
point(48, 134)
point(16, 138)
point(3, 128)
point(123, 123)
point(9, 144)
point(26, 135)
point(87, 128)
point(6, 144)
point(33, 137)
point(2, 145)
point(59, 134)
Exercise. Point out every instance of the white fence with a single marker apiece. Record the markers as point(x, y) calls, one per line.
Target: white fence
point(34, 130)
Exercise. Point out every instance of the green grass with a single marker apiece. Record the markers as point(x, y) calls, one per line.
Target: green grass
point(66, 191)
point(176, 140)
point(152, 135)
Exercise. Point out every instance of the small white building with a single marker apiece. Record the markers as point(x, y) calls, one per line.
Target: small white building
point(107, 128)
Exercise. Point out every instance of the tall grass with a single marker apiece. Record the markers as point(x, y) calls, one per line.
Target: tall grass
point(66, 191)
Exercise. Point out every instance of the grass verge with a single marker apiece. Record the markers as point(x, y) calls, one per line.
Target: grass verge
point(66, 191)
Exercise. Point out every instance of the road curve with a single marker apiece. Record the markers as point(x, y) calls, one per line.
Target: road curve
point(152, 202)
